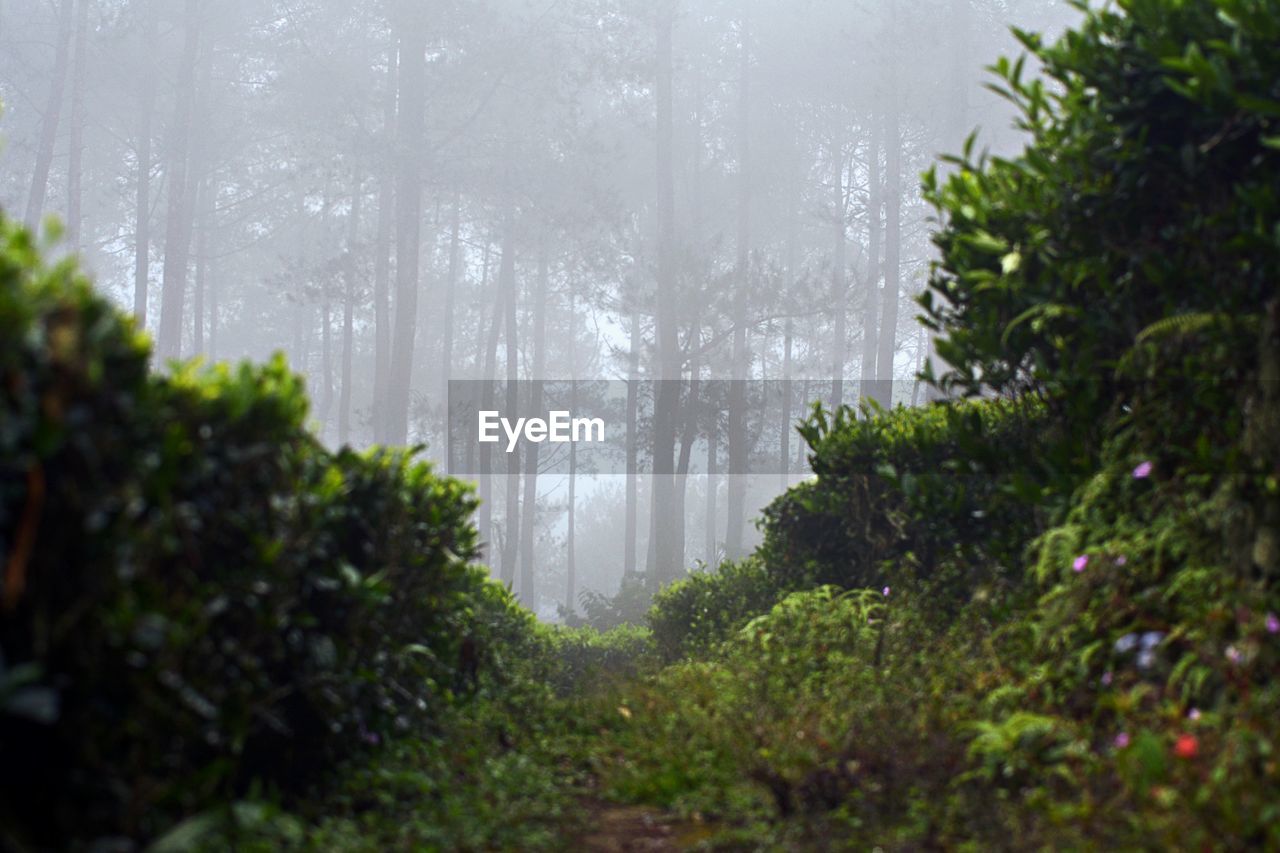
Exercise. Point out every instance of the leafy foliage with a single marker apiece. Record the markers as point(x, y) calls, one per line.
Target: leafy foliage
point(694, 614)
point(946, 494)
point(215, 601)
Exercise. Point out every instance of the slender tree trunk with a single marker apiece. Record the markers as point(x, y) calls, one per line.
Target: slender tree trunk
point(52, 114)
point(326, 362)
point(784, 440)
point(142, 202)
point(667, 402)
point(571, 542)
point(75, 163)
point(409, 132)
point(839, 279)
point(450, 300)
point(507, 279)
point(382, 257)
point(489, 377)
point(348, 306)
point(867, 388)
point(205, 201)
point(213, 301)
point(788, 342)
point(200, 189)
point(177, 242)
point(529, 514)
point(478, 363)
point(713, 487)
point(688, 436)
point(892, 250)
point(738, 449)
point(631, 531)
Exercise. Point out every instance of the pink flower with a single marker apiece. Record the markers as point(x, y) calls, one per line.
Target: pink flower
point(1234, 655)
point(886, 592)
point(1106, 679)
point(1121, 740)
point(1143, 471)
point(1080, 562)
point(1121, 560)
point(1273, 624)
point(1193, 714)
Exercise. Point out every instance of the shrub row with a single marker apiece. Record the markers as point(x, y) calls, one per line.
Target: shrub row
point(198, 597)
point(946, 494)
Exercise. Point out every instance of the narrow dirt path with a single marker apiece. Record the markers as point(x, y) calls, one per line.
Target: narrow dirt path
point(637, 829)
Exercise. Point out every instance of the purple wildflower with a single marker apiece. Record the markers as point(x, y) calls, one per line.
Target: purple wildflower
point(1273, 623)
point(1121, 560)
point(1106, 678)
point(886, 592)
point(1121, 740)
point(1193, 714)
point(1234, 655)
point(1143, 471)
point(1080, 562)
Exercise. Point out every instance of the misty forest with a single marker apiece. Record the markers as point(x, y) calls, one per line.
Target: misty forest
point(935, 352)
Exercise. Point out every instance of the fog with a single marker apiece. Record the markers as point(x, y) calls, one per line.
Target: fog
point(399, 195)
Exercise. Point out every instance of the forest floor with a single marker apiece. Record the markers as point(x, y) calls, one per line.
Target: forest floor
point(612, 828)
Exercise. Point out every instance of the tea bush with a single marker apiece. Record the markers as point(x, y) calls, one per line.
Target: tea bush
point(211, 599)
point(948, 495)
point(692, 615)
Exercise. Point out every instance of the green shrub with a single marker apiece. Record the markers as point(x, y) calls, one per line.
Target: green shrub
point(694, 614)
point(215, 601)
point(1148, 193)
point(947, 495)
point(585, 657)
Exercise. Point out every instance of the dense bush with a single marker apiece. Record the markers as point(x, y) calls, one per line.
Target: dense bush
point(584, 657)
point(947, 495)
point(212, 598)
point(692, 615)
point(1149, 192)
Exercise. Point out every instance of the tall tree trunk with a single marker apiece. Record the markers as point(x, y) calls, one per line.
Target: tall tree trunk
point(892, 250)
point(52, 114)
point(571, 541)
point(326, 362)
point(688, 437)
point(142, 196)
point(784, 440)
point(200, 188)
point(382, 256)
point(409, 132)
point(867, 388)
point(667, 401)
point(713, 485)
point(213, 288)
point(75, 162)
point(839, 279)
point(507, 279)
point(787, 343)
point(489, 378)
point(348, 306)
point(529, 512)
point(738, 449)
point(177, 241)
point(450, 299)
point(205, 201)
point(631, 531)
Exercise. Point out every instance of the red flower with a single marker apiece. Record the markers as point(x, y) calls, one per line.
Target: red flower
point(1187, 746)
